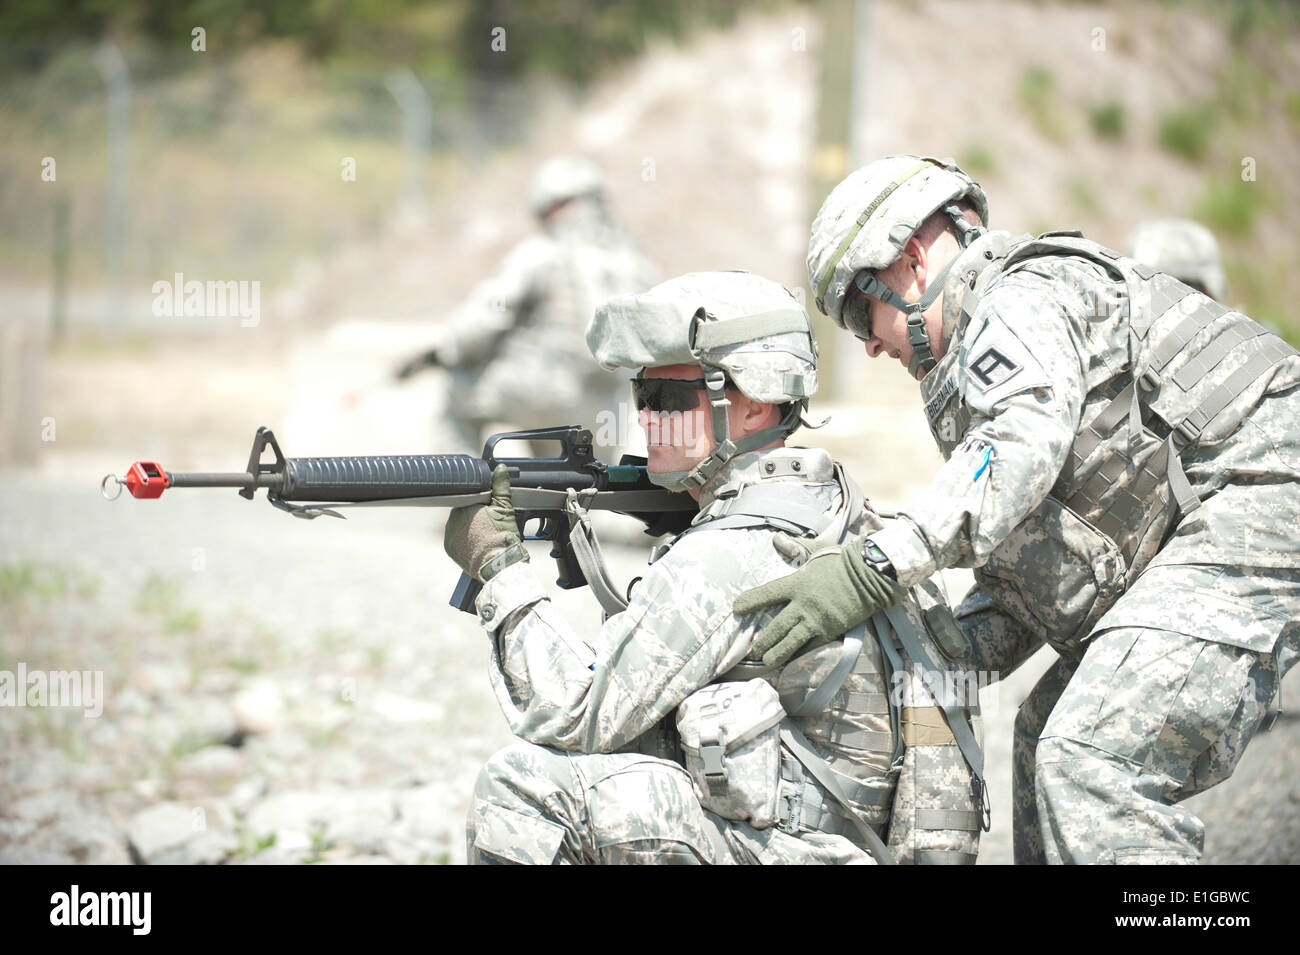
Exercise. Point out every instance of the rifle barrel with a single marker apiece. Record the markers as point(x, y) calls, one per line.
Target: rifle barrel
point(221, 479)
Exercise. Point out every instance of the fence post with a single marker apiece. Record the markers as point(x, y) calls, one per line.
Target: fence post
point(118, 80)
point(417, 137)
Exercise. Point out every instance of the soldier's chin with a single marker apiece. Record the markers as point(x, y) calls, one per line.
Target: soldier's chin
point(661, 457)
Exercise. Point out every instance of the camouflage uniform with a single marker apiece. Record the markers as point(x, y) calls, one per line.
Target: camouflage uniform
point(1123, 473)
point(515, 348)
point(1030, 367)
point(605, 781)
point(615, 767)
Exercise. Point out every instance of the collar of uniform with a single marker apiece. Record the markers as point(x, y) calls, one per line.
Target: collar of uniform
point(812, 465)
point(963, 277)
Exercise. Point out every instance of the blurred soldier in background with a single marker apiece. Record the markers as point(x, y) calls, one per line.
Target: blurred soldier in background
point(1122, 470)
point(1181, 248)
point(515, 348)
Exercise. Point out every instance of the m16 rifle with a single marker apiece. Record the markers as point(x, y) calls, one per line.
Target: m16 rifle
point(551, 493)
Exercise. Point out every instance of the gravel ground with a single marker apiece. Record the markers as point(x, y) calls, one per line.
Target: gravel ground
point(275, 689)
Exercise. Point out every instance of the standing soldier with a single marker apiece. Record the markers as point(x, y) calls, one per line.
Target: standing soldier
point(515, 348)
point(657, 738)
point(1123, 473)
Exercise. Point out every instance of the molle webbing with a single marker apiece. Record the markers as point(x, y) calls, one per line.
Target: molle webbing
point(916, 646)
point(819, 698)
point(817, 767)
point(1198, 419)
point(1116, 484)
point(948, 817)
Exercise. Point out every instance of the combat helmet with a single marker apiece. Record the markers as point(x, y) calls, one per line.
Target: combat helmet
point(865, 223)
point(1181, 248)
point(743, 330)
point(562, 178)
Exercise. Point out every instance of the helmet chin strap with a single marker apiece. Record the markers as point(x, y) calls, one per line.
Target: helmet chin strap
point(715, 384)
point(922, 352)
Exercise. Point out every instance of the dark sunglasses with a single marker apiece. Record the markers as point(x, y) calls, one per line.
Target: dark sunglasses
point(668, 395)
point(856, 312)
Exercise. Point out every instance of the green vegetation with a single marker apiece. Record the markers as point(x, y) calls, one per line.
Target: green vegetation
point(319, 844)
point(335, 640)
point(1253, 283)
point(250, 846)
point(1293, 108)
point(43, 581)
point(157, 595)
point(161, 598)
point(1186, 132)
point(1036, 91)
point(1230, 206)
point(236, 152)
point(576, 40)
point(1266, 17)
point(1083, 197)
point(1108, 120)
point(978, 160)
point(187, 620)
point(1245, 89)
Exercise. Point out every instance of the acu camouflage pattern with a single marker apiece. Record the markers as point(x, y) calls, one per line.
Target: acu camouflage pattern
point(601, 777)
point(1205, 592)
point(730, 735)
point(670, 325)
point(516, 346)
point(1038, 354)
point(1151, 717)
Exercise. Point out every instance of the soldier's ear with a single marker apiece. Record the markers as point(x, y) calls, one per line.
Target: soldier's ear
point(915, 254)
point(758, 415)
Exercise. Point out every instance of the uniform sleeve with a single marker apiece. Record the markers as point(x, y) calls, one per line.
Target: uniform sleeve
point(495, 304)
point(677, 634)
point(1024, 382)
point(998, 644)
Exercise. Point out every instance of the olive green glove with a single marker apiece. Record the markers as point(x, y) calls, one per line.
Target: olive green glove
point(482, 533)
point(829, 595)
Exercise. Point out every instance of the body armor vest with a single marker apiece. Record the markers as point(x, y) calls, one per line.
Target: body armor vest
point(845, 730)
point(1192, 371)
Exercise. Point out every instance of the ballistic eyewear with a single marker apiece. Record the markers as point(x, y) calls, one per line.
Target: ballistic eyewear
point(668, 395)
point(856, 310)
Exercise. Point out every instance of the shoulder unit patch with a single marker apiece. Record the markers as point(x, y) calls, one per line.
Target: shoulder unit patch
point(992, 368)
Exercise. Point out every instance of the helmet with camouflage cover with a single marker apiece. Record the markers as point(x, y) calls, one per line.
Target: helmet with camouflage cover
point(1181, 248)
point(865, 223)
point(562, 178)
point(743, 330)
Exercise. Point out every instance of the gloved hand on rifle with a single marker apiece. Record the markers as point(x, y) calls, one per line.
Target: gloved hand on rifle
point(833, 592)
point(428, 359)
point(484, 538)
